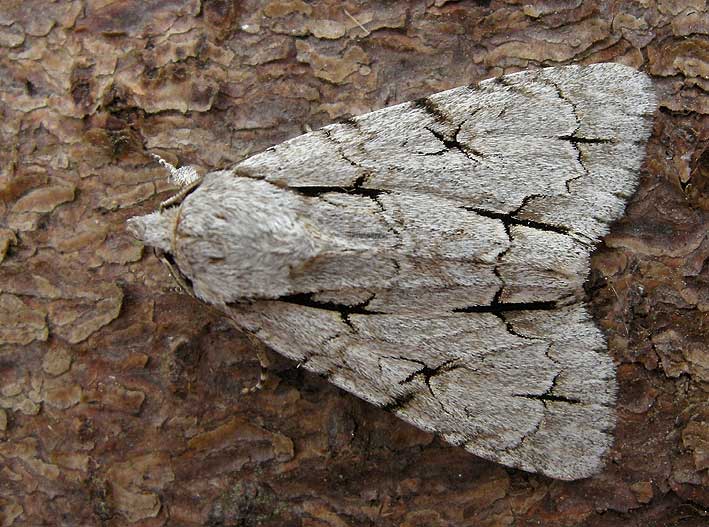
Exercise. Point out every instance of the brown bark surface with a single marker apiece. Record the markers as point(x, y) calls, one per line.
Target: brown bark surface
point(120, 397)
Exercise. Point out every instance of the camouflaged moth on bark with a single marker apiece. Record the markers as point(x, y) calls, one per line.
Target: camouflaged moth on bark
point(429, 257)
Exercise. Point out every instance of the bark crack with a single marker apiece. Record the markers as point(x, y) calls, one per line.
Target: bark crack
point(509, 218)
point(526, 436)
point(431, 108)
point(357, 188)
point(544, 398)
point(426, 372)
point(450, 143)
point(548, 395)
point(307, 300)
point(572, 138)
point(399, 402)
point(496, 307)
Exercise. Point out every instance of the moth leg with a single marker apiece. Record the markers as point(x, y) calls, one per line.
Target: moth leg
point(264, 362)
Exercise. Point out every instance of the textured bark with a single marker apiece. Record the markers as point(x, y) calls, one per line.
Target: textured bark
point(120, 398)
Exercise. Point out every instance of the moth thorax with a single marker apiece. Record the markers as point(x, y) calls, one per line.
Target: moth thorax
point(246, 244)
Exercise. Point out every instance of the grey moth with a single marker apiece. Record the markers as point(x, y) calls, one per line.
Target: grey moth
point(429, 257)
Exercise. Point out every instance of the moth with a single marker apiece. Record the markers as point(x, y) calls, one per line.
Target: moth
point(429, 257)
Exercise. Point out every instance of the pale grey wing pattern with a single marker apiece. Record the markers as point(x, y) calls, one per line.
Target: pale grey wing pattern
point(390, 252)
point(535, 391)
point(551, 156)
point(417, 323)
point(461, 227)
point(560, 146)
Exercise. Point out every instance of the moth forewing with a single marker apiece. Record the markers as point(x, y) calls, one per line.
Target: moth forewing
point(429, 257)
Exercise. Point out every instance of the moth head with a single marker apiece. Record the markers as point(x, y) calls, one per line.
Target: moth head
point(232, 239)
point(154, 229)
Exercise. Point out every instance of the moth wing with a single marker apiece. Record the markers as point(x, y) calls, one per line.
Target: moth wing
point(480, 207)
point(539, 398)
point(560, 146)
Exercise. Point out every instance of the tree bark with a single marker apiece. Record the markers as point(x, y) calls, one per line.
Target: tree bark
point(120, 397)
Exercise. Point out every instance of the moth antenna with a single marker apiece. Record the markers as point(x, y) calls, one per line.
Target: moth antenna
point(183, 176)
